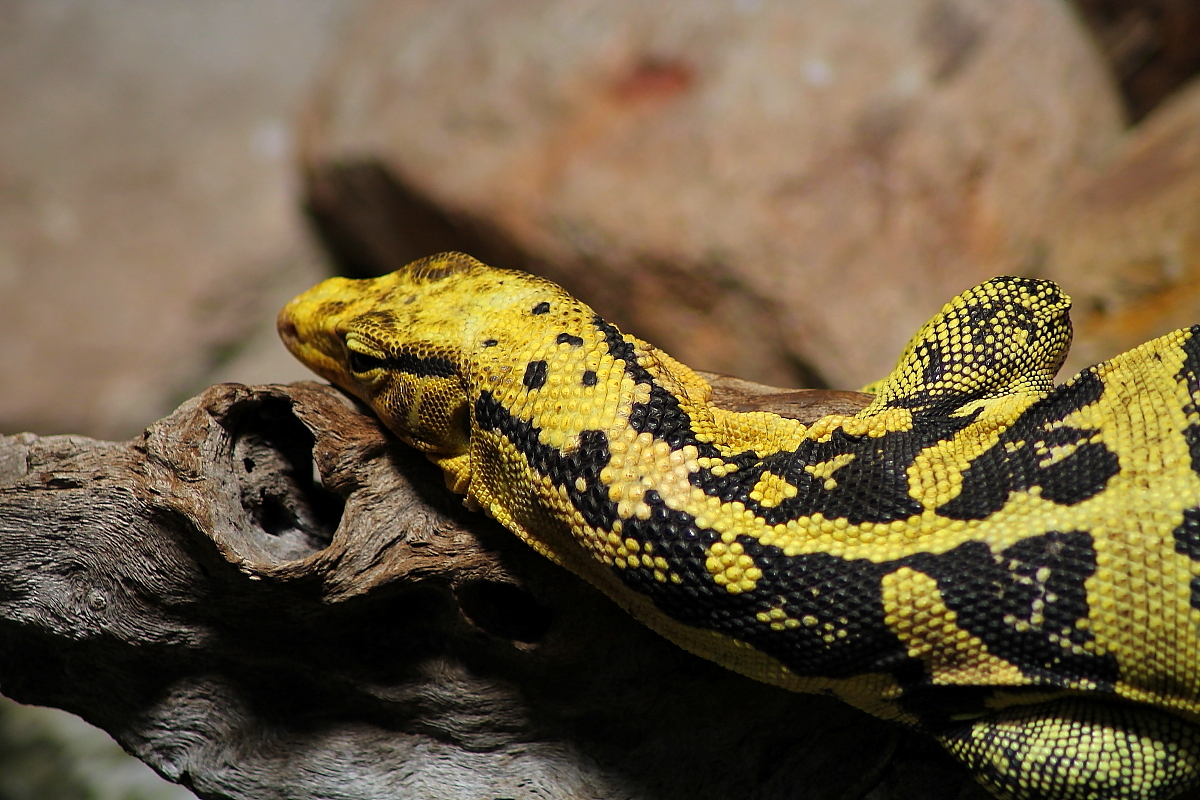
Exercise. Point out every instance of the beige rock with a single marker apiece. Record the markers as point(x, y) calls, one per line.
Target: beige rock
point(1127, 244)
point(147, 201)
point(743, 183)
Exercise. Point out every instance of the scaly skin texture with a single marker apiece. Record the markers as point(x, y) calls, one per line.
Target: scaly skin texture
point(1002, 563)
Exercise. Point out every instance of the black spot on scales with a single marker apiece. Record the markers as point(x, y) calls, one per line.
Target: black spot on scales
point(1189, 375)
point(1187, 535)
point(541, 308)
point(1187, 542)
point(535, 375)
point(589, 377)
point(566, 338)
point(1015, 462)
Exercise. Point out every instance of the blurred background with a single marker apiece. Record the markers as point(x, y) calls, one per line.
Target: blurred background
point(782, 191)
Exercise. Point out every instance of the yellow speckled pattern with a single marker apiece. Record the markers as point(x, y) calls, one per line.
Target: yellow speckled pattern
point(1011, 566)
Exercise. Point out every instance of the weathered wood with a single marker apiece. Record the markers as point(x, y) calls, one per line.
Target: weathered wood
point(268, 596)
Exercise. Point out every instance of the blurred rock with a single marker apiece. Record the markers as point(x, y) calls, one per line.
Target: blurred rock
point(148, 233)
point(1152, 45)
point(753, 186)
point(147, 200)
point(1126, 245)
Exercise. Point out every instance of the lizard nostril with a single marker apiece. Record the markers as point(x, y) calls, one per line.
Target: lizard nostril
point(287, 330)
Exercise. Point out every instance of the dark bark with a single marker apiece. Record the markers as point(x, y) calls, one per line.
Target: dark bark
point(268, 596)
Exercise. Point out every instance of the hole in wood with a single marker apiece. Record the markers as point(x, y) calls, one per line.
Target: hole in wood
point(281, 489)
point(504, 610)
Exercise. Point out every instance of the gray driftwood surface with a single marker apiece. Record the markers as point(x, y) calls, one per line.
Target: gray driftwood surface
point(268, 596)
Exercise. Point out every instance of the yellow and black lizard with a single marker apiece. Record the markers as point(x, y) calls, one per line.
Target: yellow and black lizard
point(1011, 566)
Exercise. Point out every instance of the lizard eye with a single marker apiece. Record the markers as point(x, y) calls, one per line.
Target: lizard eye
point(361, 362)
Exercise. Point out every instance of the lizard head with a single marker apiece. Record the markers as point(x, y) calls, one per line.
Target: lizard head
point(403, 342)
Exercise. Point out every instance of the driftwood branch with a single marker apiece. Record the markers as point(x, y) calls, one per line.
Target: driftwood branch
point(268, 596)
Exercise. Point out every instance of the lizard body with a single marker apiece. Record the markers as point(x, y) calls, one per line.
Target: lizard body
point(1008, 565)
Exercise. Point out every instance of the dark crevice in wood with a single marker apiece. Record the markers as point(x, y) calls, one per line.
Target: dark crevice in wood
point(504, 610)
point(281, 488)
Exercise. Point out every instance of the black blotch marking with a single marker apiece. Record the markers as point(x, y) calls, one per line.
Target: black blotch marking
point(490, 342)
point(985, 590)
point(1013, 463)
point(1187, 542)
point(535, 375)
point(1187, 535)
point(1189, 375)
point(1191, 435)
point(563, 469)
point(662, 416)
point(817, 585)
point(541, 308)
point(589, 378)
point(619, 348)
point(935, 370)
point(822, 589)
point(566, 338)
point(840, 605)
point(873, 487)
